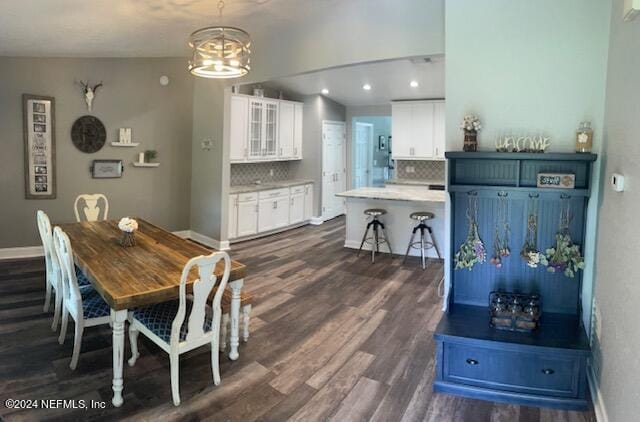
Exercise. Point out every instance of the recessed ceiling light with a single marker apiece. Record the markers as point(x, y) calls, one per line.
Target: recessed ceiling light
point(413, 84)
point(366, 87)
point(325, 91)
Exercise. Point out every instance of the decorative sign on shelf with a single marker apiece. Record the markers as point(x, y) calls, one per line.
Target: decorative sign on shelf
point(124, 135)
point(556, 180)
point(510, 143)
point(39, 146)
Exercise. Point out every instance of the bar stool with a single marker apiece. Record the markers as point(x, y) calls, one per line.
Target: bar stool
point(375, 241)
point(421, 217)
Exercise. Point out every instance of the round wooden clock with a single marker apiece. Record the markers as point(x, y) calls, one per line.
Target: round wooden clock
point(88, 134)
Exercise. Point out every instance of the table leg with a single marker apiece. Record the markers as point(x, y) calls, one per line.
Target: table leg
point(117, 321)
point(234, 335)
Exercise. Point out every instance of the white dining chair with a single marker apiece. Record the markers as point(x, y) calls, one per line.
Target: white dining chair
point(182, 325)
point(83, 304)
point(53, 277)
point(91, 210)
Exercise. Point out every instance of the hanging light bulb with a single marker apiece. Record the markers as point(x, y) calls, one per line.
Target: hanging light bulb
point(220, 51)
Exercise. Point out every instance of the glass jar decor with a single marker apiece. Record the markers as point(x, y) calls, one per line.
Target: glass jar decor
point(584, 137)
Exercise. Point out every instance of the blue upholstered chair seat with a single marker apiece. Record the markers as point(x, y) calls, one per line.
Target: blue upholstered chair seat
point(93, 305)
point(82, 279)
point(158, 319)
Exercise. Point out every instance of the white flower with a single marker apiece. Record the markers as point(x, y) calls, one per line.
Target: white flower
point(470, 122)
point(128, 225)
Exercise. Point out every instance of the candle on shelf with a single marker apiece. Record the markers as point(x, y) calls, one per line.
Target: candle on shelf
point(141, 157)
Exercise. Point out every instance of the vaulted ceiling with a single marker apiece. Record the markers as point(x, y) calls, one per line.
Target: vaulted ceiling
point(137, 28)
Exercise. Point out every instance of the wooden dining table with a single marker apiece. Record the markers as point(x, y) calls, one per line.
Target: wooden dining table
point(144, 274)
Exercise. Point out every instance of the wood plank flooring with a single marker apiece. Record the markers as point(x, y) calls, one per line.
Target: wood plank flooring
point(333, 338)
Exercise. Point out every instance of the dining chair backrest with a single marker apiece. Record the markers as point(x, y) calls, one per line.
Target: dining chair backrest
point(70, 288)
point(44, 228)
point(202, 288)
point(91, 210)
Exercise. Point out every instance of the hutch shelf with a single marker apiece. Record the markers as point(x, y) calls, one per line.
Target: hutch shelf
point(546, 367)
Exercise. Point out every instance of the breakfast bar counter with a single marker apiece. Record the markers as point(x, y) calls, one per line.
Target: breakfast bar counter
point(399, 202)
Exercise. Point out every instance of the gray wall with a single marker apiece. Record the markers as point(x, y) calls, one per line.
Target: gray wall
point(210, 168)
point(617, 291)
point(160, 118)
point(316, 109)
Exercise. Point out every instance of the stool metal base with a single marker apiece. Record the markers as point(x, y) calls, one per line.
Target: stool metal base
point(375, 241)
point(423, 242)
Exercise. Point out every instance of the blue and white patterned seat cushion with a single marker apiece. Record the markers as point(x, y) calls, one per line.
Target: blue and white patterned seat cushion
point(82, 279)
point(93, 305)
point(158, 319)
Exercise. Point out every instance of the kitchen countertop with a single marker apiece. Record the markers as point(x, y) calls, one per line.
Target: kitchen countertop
point(278, 184)
point(389, 193)
point(415, 182)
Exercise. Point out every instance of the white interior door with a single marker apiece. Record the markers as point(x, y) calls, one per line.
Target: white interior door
point(333, 168)
point(363, 154)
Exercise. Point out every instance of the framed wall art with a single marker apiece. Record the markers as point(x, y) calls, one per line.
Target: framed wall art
point(39, 146)
point(106, 169)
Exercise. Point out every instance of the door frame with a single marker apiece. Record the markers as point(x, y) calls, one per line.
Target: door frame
point(323, 197)
point(369, 152)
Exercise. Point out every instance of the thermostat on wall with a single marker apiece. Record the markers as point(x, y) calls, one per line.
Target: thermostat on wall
point(617, 182)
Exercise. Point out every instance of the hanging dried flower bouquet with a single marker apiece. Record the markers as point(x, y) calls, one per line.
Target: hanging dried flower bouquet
point(472, 250)
point(565, 257)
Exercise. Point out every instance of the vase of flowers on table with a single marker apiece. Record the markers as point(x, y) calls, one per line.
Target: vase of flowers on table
point(128, 226)
point(470, 125)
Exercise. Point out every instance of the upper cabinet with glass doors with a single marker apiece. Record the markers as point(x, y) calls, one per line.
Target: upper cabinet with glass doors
point(264, 129)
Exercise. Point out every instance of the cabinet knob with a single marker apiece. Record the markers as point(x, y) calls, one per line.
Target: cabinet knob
point(548, 371)
point(472, 361)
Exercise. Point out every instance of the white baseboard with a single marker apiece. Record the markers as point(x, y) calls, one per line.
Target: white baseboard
point(316, 221)
point(23, 252)
point(183, 233)
point(209, 241)
point(596, 397)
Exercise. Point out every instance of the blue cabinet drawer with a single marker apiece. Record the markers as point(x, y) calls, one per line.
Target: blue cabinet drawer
point(525, 370)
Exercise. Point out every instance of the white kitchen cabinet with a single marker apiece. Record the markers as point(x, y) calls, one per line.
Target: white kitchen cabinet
point(273, 209)
point(297, 130)
point(264, 129)
point(286, 130)
point(238, 128)
point(414, 128)
point(247, 214)
point(296, 205)
point(439, 129)
point(308, 202)
point(233, 216)
point(401, 130)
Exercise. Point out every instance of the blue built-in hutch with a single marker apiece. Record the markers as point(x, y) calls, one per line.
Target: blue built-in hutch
point(545, 367)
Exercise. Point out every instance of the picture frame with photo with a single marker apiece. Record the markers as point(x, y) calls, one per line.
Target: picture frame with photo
point(39, 146)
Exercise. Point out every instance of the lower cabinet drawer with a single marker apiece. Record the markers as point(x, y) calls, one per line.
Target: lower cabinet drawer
point(521, 371)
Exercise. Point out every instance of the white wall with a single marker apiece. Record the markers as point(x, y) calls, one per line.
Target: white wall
point(530, 66)
point(617, 291)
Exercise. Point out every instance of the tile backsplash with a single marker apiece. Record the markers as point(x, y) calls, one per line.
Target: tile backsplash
point(422, 170)
point(246, 173)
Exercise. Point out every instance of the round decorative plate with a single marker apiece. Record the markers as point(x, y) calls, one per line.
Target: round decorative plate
point(88, 134)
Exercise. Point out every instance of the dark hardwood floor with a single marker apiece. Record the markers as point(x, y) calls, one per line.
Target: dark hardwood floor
point(333, 337)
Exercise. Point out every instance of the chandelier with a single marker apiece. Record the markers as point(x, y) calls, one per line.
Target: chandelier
point(220, 51)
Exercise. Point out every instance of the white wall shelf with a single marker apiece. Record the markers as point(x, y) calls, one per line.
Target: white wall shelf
point(136, 164)
point(122, 144)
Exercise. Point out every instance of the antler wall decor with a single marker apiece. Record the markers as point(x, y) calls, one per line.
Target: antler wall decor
point(89, 93)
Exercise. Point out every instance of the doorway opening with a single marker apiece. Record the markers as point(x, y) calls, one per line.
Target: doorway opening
point(371, 155)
